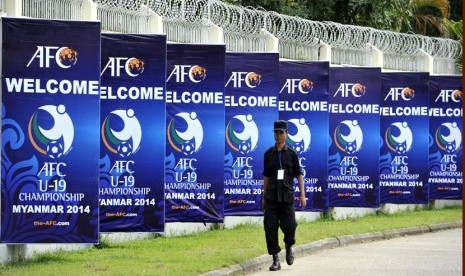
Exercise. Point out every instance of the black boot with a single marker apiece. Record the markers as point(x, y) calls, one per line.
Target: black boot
point(276, 264)
point(289, 255)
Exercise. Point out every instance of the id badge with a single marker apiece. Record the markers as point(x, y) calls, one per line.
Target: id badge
point(281, 174)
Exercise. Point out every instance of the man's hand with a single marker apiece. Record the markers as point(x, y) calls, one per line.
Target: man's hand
point(303, 200)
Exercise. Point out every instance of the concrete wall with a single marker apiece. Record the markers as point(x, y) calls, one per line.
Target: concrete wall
point(9, 253)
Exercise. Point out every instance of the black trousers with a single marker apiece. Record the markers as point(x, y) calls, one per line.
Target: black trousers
point(279, 215)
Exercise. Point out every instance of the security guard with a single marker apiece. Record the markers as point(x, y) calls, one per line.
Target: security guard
point(281, 166)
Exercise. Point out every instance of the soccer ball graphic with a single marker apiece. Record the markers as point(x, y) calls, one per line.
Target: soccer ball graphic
point(457, 94)
point(358, 90)
point(306, 85)
point(55, 149)
point(68, 57)
point(198, 73)
point(245, 147)
point(125, 148)
point(450, 147)
point(135, 66)
point(188, 147)
point(401, 148)
point(254, 79)
point(299, 147)
point(351, 148)
point(408, 93)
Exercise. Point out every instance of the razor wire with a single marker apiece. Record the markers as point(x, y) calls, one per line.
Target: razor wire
point(191, 21)
point(186, 32)
point(115, 19)
point(248, 29)
point(185, 21)
point(402, 51)
point(124, 16)
point(349, 44)
point(243, 27)
point(444, 51)
point(129, 5)
point(250, 36)
point(298, 38)
point(301, 38)
point(185, 10)
point(52, 9)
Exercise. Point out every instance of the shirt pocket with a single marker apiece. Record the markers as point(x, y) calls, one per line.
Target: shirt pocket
point(288, 196)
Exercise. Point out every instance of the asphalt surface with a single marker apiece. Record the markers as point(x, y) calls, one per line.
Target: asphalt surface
point(430, 250)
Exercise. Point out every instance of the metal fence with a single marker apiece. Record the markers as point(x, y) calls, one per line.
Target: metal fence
point(123, 16)
point(445, 52)
point(52, 9)
point(401, 51)
point(248, 29)
point(184, 21)
point(349, 44)
point(298, 38)
point(243, 28)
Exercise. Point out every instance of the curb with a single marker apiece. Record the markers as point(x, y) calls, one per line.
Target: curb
point(329, 243)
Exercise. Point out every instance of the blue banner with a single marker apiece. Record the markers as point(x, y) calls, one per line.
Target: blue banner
point(195, 124)
point(132, 124)
point(303, 102)
point(251, 108)
point(353, 171)
point(445, 138)
point(50, 131)
point(404, 138)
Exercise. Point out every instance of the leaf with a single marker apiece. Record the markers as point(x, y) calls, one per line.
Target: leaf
point(442, 5)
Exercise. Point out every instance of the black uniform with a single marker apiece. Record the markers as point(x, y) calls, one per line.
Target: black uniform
point(279, 197)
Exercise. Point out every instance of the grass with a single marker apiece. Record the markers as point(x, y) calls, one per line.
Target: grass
point(202, 252)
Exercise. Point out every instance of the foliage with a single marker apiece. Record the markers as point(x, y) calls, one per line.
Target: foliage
point(383, 14)
point(454, 29)
point(455, 10)
point(408, 16)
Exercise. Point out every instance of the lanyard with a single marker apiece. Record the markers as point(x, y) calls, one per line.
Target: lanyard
point(279, 157)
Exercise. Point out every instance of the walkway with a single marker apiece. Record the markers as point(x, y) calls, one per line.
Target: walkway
point(426, 250)
point(438, 253)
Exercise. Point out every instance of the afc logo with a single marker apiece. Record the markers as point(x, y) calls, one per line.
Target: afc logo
point(356, 89)
point(250, 79)
point(396, 93)
point(194, 73)
point(64, 57)
point(133, 67)
point(449, 95)
point(304, 86)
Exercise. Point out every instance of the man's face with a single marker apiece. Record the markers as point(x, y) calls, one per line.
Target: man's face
point(280, 136)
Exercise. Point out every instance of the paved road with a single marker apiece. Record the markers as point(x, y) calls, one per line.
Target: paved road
point(437, 253)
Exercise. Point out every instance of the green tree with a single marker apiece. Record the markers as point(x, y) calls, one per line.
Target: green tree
point(455, 10)
point(425, 17)
point(428, 16)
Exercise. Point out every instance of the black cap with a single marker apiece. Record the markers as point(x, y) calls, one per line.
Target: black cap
point(280, 125)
